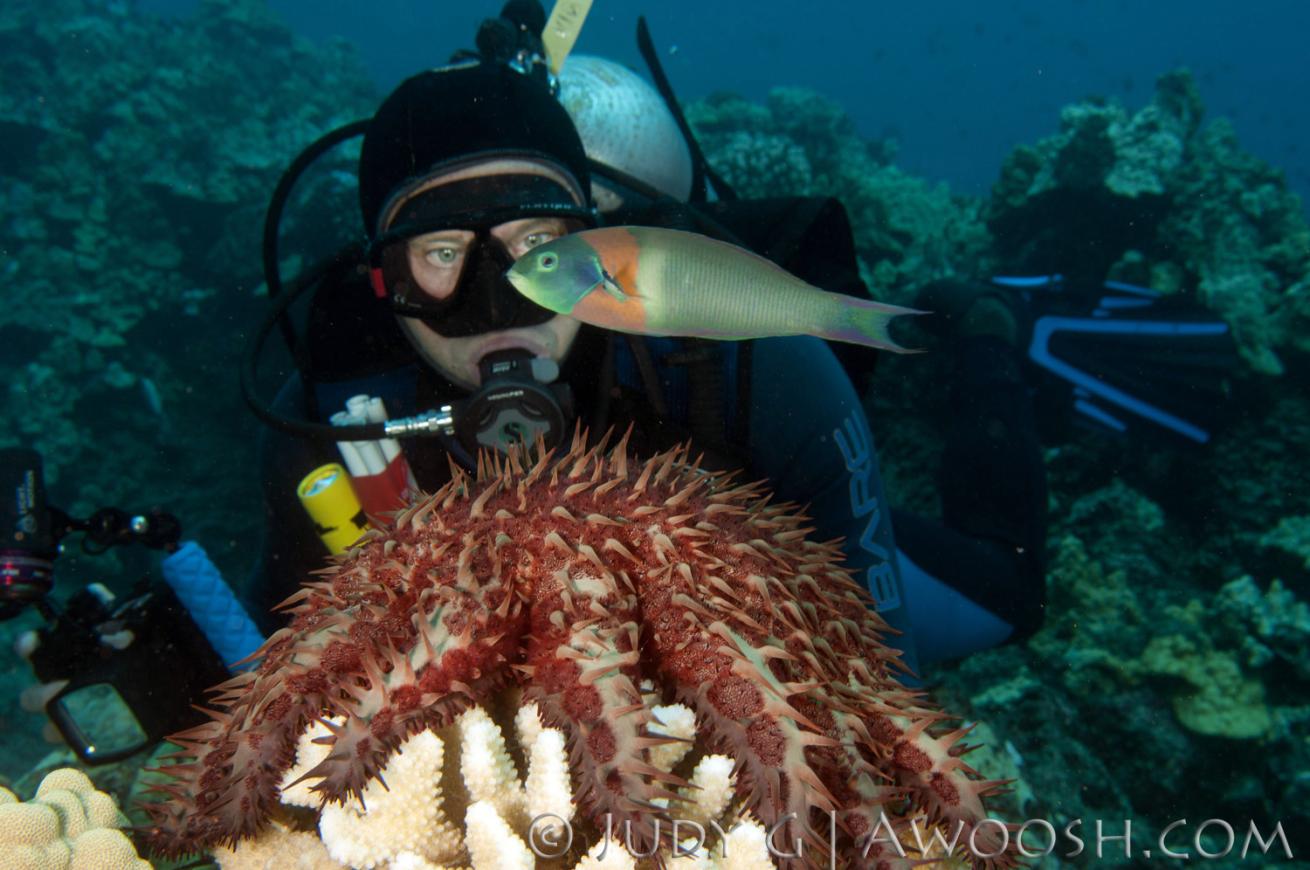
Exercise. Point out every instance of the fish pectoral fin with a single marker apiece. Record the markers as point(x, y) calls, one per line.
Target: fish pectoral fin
point(612, 287)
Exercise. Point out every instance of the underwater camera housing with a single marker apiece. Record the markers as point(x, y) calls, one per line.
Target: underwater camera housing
point(119, 673)
point(131, 670)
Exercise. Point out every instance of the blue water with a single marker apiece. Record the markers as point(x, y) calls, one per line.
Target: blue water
point(959, 83)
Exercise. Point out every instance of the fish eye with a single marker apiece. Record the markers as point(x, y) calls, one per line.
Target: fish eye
point(548, 262)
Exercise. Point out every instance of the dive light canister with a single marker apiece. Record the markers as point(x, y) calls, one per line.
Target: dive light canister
point(330, 500)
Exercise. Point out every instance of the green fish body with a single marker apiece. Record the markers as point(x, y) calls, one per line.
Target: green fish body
point(655, 281)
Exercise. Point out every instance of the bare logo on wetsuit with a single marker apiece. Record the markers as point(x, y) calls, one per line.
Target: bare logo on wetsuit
point(856, 445)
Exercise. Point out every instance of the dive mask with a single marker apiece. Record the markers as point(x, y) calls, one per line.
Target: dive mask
point(481, 299)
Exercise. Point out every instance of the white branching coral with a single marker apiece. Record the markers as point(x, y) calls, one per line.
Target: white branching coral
point(297, 787)
point(489, 773)
point(745, 848)
point(604, 856)
point(678, 723)
point(279, 847)
point(492, 842)
point(527, 725)
point(455, 799)
point(403, 816)
point(549, 794)
point(710, 791)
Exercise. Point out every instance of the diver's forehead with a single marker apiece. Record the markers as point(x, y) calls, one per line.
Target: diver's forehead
point(535, 223)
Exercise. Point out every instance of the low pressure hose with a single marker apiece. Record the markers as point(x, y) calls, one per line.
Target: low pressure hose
point(428, 423)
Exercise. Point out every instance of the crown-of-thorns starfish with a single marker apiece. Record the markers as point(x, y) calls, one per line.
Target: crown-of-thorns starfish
point(577, 576)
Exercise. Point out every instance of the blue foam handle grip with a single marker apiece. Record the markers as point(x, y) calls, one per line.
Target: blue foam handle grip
point(204, 592)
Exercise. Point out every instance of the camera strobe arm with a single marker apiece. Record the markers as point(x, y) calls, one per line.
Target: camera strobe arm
point(112, 527)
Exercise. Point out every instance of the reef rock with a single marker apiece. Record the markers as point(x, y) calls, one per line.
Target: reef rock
point(1155, 198)
point(139, 154)
point(802, 143)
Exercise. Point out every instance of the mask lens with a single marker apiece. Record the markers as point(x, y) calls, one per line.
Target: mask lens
point(435, 261)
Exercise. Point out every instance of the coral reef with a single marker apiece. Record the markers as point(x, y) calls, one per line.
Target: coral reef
point(1292, 537)
point(1268, 627)
point(802, 143)
point(1175, 623)
point(579, 577)
point(1117, 666)
point(1207, 686)
point(131, 190)
point(1155, 198)
point(67, 825)
point(139, 154)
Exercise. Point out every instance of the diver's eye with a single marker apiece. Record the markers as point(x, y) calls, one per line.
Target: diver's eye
point(547, 262)
point(532, 240)
point(443, 255)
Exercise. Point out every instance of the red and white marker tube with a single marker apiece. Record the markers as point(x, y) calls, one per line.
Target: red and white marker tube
point(381, 474)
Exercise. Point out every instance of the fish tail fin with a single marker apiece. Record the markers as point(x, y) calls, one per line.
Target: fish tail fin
point(866, 323)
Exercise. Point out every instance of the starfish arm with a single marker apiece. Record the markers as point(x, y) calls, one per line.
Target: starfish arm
point(583, 674)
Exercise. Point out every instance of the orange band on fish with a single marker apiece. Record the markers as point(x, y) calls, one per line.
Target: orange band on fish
point(618, 253)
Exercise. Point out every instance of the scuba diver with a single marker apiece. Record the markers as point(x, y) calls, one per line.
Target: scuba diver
point(464, 169)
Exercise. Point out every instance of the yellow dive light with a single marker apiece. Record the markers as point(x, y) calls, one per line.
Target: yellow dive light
point(331, 503)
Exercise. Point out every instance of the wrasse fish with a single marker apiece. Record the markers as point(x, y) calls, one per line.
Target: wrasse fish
point(653, 281)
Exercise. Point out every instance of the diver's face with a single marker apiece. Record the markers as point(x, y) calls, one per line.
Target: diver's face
point(436, 261)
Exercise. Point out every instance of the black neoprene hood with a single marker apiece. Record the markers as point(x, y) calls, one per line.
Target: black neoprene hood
point(439, 116)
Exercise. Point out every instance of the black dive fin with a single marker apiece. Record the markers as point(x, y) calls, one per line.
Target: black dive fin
point(1132, 355)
